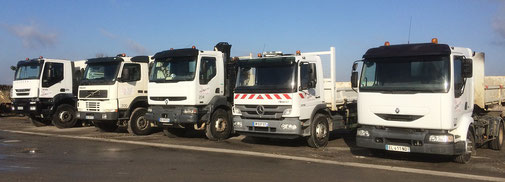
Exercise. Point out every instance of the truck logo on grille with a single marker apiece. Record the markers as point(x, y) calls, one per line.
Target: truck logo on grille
point(166, 101)
point(260, 110)
point(397, 110)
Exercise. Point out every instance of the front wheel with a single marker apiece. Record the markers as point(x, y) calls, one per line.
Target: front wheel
point(319, 132)
point(497, 143)
point(470, 148)
point(64, 117)
point(220, 126)
point(138, 124)
point(106, 126)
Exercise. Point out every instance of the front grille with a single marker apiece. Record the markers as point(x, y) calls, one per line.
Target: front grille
point(93, 94)
point(22, 94)
point(169, 98)
point(270, 111)
point(398, 117)
point(399, 141)
point(93, 106)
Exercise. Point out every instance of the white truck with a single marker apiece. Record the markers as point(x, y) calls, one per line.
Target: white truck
point(45, 90)
point(286, 96)
point(427, 98)
point(192, 89)
point(113, 93)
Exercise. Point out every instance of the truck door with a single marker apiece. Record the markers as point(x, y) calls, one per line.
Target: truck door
point(461, 91)
point(211, 79)
point(52, 80)
point(309, 94)
point(128, 85)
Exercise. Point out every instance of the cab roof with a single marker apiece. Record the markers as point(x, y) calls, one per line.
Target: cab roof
point(406, 50)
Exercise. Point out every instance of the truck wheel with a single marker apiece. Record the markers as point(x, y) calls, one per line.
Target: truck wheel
point(497, 143)
point(38, 122)
point(64, 117)
point(174, 132)
point(106, 126)
point(319, 132)
point(470, 148)
point(138, 124)
point(219, 127)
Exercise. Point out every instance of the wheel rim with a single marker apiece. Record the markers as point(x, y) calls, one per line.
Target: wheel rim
point(65, 116)
point(321, 131)
point(220, 125)
point(142, 123)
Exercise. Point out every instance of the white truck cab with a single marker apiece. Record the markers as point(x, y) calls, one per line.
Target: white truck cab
point(113, 92)
point(192, 89)
point(286, 96)
point(426, 98)
point(45, 90)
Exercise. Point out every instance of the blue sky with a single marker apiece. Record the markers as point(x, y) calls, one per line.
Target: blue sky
point(82, 29)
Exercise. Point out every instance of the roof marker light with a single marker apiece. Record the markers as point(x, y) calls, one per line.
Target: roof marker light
point(259, 55)
point(193, 47)
point(434, 40)
point(27, 59)
point(386, 43)
point(298, 52)
point(40, 57)
point(171, 48)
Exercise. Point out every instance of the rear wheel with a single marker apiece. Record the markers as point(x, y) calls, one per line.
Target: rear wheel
point(174, 132)
point(497, 143)
point(106, 126)
point(38, 122)
point(319, 132)
point(220, 126)
point(470, 148)
point(138, 124)
point(64, 117)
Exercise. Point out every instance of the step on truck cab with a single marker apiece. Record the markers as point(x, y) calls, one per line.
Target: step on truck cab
point(427, 98)
point(45, 90)
point(113, 93)
point(286, 96)
point(192, 89)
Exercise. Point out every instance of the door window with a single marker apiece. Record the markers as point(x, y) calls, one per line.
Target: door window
point(207, 69)
point(130, 73)
point(53, 73)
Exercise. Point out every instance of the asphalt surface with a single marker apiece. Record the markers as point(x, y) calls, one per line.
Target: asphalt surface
point(28, 153)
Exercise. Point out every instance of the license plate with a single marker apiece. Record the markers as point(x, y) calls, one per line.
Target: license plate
point(397, 148)
point(90, 117)
point(261, 124)
point(164, 120)
point(20, 108)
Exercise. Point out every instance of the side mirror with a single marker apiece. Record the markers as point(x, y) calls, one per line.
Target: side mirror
point(13, 68)
point(467, 68)
point(313, 76)
point(354, 66)
point(354, 79)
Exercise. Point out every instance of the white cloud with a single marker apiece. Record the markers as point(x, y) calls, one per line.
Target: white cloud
point(128, 43)
point(499, 25)
point(32, 36)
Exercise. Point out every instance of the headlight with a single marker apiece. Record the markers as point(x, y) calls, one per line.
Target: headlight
point(288, 126)
point(149, 109)
point(190, 111)
point(236, 111)
point(362, 132)
point(237, 124)
point(287, 112)
point(441, 138)
point(78, 115)
point(33, 108)
point(104, 116)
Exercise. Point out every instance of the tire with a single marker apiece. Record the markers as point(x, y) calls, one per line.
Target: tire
point(174, 132)
point(220, 126)
point(319, 132)
point(137, 124)
point(39, 122)
point(467, 156)
point(64, 117)
point(106, 126)
point(497, 143)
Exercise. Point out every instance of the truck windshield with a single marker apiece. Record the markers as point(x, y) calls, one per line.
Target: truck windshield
point(406, 74)
point(28, 71)
point(173, 69)
point(100, 73)
point(272, 75)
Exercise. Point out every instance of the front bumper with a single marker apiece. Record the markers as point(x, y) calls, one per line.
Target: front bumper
point(416, 140)
point(272, 129)
point(103, 116)
point(27, 106)
point(170, 115)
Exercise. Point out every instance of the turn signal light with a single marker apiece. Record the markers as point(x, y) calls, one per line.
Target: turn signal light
point(386, 43)
point(434, 40)
point(298, 52)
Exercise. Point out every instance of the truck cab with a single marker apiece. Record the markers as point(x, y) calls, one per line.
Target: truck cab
point(45, 90)
point(424, 98)
point(191, 89)
point(286, 96)
point(113, 93)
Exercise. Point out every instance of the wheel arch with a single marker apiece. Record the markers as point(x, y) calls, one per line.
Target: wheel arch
point(140, 101)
